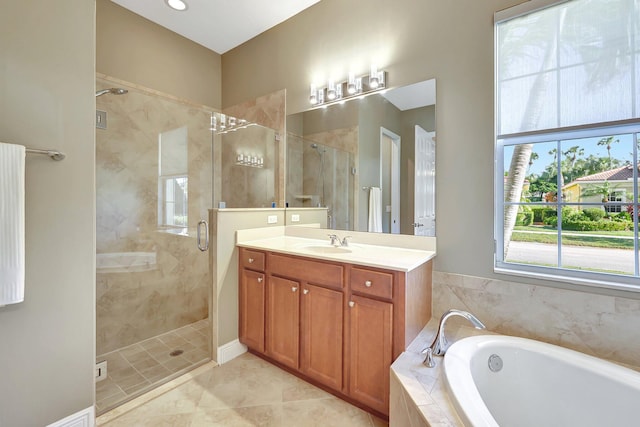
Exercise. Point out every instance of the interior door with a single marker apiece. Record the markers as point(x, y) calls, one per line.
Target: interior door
point(424, 218)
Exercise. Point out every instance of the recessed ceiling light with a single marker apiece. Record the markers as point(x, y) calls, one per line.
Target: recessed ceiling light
point(179, 5)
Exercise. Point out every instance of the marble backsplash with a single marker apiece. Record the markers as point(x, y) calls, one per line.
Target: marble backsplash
point(599, 325)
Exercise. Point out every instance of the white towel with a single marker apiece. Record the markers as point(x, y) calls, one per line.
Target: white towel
point(12, 159)
point(375, 210)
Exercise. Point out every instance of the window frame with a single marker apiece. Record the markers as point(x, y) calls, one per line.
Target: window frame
point(588, 279)
point(163, 202)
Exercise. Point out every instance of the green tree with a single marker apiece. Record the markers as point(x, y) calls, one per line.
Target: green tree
point(607, 142)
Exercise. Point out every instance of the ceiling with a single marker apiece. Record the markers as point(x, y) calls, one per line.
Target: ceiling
point(219, 25)
point(413, 96)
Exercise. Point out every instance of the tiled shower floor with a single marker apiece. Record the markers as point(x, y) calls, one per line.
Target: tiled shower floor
point(137, 368)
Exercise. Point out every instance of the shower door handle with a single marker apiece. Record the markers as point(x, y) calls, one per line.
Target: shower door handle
point(199, 235)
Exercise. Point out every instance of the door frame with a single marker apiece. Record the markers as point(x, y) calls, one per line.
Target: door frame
point(396, 144)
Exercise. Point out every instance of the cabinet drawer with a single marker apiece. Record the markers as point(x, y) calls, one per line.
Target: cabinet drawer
point(370, 282)
point(253, 260)
point(314, 272)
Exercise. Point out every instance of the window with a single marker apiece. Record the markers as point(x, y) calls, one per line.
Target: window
point(173, 180)
point(567, 149)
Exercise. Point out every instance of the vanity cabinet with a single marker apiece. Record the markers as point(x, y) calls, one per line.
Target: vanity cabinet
point(283, 321)
point(338, 325)
point(322, 335)
point(252, 299)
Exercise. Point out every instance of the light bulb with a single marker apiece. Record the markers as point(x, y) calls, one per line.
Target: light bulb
point(373, 77)
point(351, 84)
point(313, 96)
point(178, 5)
point(331, 90)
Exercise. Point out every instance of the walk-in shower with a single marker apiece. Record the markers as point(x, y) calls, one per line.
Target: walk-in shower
point(153, 186)
point(320, 175)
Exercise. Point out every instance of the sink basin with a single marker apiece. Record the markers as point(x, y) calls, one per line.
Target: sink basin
point(326, 249)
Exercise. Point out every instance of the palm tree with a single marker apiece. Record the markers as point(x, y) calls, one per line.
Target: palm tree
point(602, 73)
point(608, 141)
point(533, 158)
point(571, 155)
point(535, 105)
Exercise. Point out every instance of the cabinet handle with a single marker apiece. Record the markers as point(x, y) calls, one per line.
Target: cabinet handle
point(351, 303)
point(367, 283)
point(306, 291)
point(259, 279)
point(294, 288)
point(251, 260)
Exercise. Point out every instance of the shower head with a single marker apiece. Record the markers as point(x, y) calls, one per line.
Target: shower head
point(317, 148)
point(113, 90)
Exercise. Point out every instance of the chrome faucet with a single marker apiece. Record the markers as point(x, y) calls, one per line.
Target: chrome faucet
point(440, 345)
point(335, 240)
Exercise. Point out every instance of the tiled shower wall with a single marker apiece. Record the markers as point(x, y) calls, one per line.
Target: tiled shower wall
point(247, 186)
point(149, 281)
point(305, 178)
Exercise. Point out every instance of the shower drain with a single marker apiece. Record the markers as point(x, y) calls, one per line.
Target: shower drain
point(175, 353)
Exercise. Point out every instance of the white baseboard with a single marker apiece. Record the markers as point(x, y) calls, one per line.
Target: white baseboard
point(84, 418)
point(230, 351)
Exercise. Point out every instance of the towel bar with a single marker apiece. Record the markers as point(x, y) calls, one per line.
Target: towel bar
point(55, 155)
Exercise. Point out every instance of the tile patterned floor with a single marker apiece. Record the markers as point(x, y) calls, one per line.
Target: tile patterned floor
point(246, 391)
point(137, 368)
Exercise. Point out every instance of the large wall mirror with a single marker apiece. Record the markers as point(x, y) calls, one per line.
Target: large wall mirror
point(369, 161)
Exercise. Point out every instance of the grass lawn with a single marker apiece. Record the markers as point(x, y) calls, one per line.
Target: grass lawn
point(595, 239)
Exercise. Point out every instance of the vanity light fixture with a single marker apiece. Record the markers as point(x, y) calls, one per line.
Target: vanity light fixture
point(179, 5)
point(353, 87)
point(253, 160)
point(222, 123)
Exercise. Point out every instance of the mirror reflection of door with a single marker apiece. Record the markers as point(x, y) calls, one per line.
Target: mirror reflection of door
point(425, 183)
point(390, 144)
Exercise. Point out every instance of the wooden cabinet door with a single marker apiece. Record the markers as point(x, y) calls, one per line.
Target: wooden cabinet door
point(283, 321)
point(321, 322)
point(252, 287)
point(370, 326)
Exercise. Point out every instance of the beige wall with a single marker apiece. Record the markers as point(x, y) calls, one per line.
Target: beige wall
point(414, 41)
point(47, 79)
point(136, 50)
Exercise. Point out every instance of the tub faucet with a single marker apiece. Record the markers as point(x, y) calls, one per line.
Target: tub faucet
point(440, 345)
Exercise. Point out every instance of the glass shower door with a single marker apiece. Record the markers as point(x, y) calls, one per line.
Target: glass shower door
point(154, 190)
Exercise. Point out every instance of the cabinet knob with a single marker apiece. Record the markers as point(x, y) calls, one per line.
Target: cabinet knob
point(251, 260)
point(351, 303)
point(306, 291)
point(259, 279)
point(294, 288)
point(367, 283)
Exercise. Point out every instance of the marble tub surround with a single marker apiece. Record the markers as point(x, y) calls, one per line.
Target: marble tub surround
point(363, 250)
point(418, 394)
point(598, 325)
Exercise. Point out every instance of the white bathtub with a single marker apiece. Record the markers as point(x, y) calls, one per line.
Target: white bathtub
point(539, 385)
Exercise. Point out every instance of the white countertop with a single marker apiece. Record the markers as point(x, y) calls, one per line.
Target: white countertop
point(393, 258)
